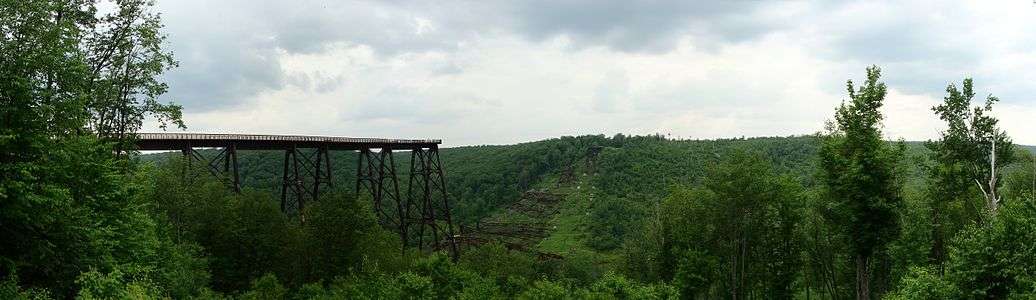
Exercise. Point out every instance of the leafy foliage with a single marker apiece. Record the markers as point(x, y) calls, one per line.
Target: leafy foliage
point(611, 220)
point(996, 261)
point(719, 235)
point(924, 283)
point(859, 176)
point(67, 208)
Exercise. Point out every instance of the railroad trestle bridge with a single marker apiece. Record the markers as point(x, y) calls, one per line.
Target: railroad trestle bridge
point(424, 210)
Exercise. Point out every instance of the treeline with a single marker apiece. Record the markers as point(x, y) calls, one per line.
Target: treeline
point(481, 179)
point(854, 215)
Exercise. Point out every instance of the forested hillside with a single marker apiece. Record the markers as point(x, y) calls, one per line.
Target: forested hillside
point(611, 189)
point(611, 195)
point(484, 178)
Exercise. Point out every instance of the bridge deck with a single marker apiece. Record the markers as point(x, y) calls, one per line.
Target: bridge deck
point(179, 141)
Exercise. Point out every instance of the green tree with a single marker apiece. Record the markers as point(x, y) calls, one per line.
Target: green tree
point(964, 178)
point(989, 261)
point(995, 261)
point(960, 176)
point(826, 251)
point(736, 236)
point(66, 206)
point(858, 171)
point(248, 236)
point(125, 58)
point(265, 288)
point(613, 286)
point(341, 234)
point(41, 95)
point(545, 289)
point(1020, 177)
point(695, 273)
point(113, 285)
point(611, 218)
point(9, 289)
point(510, 269)
point(923, 283)
point(973, 147)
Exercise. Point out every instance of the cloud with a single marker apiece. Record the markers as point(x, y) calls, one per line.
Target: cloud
point(416, 106)
point(633, 25)
point(229, 50)
point(223, 59)
point(494, 72)
point(612, 89)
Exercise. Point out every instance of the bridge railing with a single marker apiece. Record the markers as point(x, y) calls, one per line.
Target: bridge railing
point(282, 138)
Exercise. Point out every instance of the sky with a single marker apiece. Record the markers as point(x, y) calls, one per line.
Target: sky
point(501, 72)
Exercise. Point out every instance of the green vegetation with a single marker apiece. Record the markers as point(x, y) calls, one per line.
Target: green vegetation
point(828, 216)
point(859, 179)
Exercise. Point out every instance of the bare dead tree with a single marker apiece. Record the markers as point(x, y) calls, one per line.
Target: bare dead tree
point(992, 199)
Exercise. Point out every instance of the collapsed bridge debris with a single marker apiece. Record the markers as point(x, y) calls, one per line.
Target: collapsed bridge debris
point(519, 227)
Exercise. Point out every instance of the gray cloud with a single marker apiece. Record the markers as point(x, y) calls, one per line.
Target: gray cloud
point(307, 27)
point(232, 51)
point(612, 89)
point(222, 76)
point(413, 105)
point(316, 82)
point(229, 50)
point(651, 26)
point(223, 60)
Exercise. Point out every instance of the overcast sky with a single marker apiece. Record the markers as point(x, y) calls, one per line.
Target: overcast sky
point(493, 72)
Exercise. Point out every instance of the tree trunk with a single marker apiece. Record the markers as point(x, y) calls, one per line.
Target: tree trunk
point(937, 254)
point(863, 280)
point(994, 199)
point(879, 284)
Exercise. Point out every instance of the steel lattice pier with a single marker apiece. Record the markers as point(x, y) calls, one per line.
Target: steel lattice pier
point(421, 217)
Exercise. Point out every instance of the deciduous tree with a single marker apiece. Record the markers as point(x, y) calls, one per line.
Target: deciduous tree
point(858, 170)
point(968, 159)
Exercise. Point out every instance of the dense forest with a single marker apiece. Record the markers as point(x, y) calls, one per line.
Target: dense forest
point(843, 213)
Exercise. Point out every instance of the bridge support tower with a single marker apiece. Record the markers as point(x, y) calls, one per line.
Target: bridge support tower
point(223, 165)
point(427, 191)
point(305, 172)
point(422, 218)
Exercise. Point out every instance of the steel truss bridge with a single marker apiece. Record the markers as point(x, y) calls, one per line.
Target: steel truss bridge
point(424, 210)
